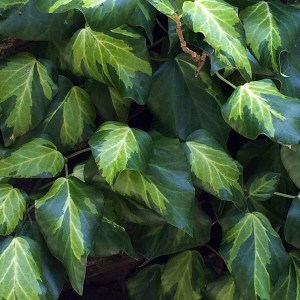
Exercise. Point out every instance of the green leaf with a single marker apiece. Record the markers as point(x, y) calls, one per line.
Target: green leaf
point(37, 158)
point(7, 5)
point(292, 224)
point(154, 241)
point(12, 208)
point(100, 14)
point(253, 250)
point(111, 239)
point(165, 186)
point(216, 171)
point(266, 30)
point(220, 24)
point(183, 276)
point(146, 284)
point(26, 88)
point(167, 7)
point(20, 262)
point(288, 286)
point(117, 147)
point(71, 115)
point(68, 216)
point(223, 288)
point(200, 108)
point(117, 58)
point(291, 161)
point(261, 187)
point(259, 108)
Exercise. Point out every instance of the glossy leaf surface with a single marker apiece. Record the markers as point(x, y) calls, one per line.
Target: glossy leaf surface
point(167, 7)
point(12, 208)
point(292, 224)
point(68, 216)
point(37, 158)
point(259, 108)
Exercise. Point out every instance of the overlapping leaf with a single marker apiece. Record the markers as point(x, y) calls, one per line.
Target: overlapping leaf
point(259, 108)
point(220, 24)
point(116, 147)
point(167, 7)
point(71, 115)
point(183, 276)
point(26, 88)
point(37, 158)
point(68, 215)
point(12, 208)
point(262, 186)
point(165, 186)
point(20, 265)
point(266, 30)
point(288, 286)
point(117, 57)
point(200, 107)
point(6, 5)
point(100, 14)
point(216, 171)
point(252, 249)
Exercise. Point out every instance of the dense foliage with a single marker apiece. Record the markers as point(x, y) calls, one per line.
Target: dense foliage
point(162, 129)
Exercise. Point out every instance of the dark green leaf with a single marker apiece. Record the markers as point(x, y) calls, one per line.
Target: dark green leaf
point(253, 250)
point(26, 88)
point(117, 147)
point(259, 108)
point(100, 14)
point(117, 58)
point(261, 187)
point(12, 208)
point(216, 171)
point(37, 158)
point(292, 224)
point(20, 262)
point(220, 24)
point(200, 107)
point(68, 216)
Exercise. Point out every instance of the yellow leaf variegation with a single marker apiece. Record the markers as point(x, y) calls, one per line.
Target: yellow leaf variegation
point(259, 108)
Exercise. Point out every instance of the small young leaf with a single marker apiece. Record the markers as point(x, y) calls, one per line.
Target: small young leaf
point(216, 171)
point(167, 7)
point(37, 158)
point(259, 108)
point(117, 57)
point(252, 249)
point(183, 276)
point(12, 208)
point(20, 262)
point(68, 216)
point(220, 24)
point(261, 187)
point(117, 147)
point(26, 88)
point(292, 224)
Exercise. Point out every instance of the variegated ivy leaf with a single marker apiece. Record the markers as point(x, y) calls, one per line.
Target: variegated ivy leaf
point(261, 187)
point(117, 58)
point(26, 88)
point(220, 24)
point(117, 147)
point(167, 7)
point(288, 286)
point(12, 208)
point(37, 158)
point(252, 249)
point(165, 186)
point(259, 108)
point(71, 115)
point(266, 30)
point(183, 276)
point(216, 171)
point(68, 216)
point(6, 5)
point(20, 265)
point(100, 14)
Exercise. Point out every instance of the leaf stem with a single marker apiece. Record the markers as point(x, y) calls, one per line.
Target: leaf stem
point(213, 250)
point(284, 195)
point(225, 80)
point(157, 42)
point(78, 152)
point(161, 25)
point(66, 168)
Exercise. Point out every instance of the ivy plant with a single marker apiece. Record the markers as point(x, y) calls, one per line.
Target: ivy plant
point(165, 130)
